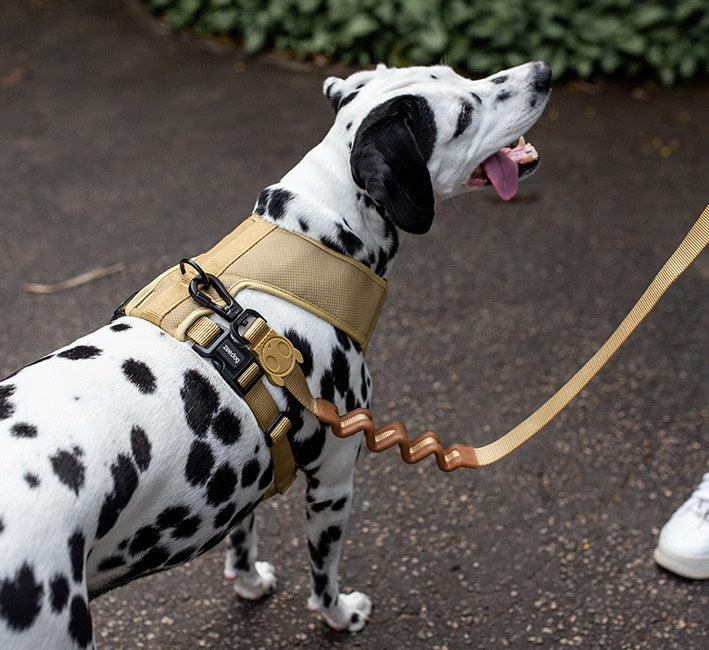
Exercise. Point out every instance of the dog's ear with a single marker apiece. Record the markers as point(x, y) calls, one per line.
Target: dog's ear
point(389, 160)
point(332, 89)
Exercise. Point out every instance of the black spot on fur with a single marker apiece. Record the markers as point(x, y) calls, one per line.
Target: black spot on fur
point(339, 504)
point(171, 517)
point(141, 448)
point(7, 408)
point(23, 430)
point(321, 505)
point(199, 463)
point(177, 518)
point(120, 327)
point(327, 537)
point(111, 562)
point(262, 202)
point(332, 244)
point(250, 473)
point(303, 346)
point(80, 622)
point(224, 515)
point(266, 478)
point(503, 96)
point(2, 526)
point(20, 599)
point(308, 451)
point(227, 426)
point(350, 243)
point(304, 226)
point(499, 79)
point(342, 338)
point(80, 352)
point(153, 559)
point(340, 370)
point(346, 100)
point(327, 386)
point(222, 484)
point(31, 479)
point(139, 373)
point(319, 583)
point(187, 527)
point(125, 482)
point(145, 538)
point(58, 593)
point(76, 553)
point(200, 400)
point(68, 469)
point(181, 556)
point(278, 202)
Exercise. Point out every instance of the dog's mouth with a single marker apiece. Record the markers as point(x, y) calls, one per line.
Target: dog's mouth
point(504, 169)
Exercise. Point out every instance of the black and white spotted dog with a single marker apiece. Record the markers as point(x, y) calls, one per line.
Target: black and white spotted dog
point(125, 452)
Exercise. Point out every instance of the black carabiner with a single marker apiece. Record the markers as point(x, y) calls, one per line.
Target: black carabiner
point(230, 310)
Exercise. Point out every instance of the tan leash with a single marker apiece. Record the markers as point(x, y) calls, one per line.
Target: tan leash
point(248, 349)
point(455, 456)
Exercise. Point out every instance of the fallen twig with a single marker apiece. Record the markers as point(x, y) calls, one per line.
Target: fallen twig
point(77, 281)
point(16, 76)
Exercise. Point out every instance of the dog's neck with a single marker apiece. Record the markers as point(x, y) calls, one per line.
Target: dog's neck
point(319, 199)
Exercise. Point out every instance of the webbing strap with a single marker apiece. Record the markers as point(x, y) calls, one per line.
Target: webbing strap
point(455, 456)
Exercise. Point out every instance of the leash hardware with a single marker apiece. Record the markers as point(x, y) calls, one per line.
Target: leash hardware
point(230, 310)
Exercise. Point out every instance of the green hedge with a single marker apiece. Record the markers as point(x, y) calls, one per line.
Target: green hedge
point(664, 38)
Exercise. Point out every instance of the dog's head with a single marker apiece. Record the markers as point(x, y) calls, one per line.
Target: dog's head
point(426, 133)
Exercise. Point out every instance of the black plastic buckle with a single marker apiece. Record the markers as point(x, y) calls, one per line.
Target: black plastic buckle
point(231, 358)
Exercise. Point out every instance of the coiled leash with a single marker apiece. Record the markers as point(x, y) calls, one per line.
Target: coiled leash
point(244, 349)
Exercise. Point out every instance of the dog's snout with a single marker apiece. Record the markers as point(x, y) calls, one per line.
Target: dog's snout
point(542, 77)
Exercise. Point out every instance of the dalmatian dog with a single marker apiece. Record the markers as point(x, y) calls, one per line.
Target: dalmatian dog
point(125, 453)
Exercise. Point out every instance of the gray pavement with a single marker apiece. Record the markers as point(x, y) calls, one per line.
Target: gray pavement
point(122, 143)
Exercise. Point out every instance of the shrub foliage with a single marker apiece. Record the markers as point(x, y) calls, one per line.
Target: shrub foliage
point(664, 38)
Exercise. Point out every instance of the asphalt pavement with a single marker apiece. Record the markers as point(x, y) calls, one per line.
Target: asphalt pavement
point(124, 143)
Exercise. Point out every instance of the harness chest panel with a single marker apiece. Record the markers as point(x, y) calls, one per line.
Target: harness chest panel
point(259, 255)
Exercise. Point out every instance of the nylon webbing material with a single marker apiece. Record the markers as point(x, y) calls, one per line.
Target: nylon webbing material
point(259, 255)
point(455, 456)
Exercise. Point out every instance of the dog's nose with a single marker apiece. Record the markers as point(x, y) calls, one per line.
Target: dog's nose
point(542, 77)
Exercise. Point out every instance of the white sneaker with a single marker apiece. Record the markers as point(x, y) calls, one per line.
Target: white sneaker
point(683, 547)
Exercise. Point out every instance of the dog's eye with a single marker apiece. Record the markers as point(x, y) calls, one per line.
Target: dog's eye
point(464, 118)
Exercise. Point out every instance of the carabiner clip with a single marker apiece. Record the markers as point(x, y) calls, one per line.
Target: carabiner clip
point(230, 310)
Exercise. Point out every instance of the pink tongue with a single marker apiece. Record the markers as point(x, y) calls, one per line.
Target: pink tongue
point(502, 172)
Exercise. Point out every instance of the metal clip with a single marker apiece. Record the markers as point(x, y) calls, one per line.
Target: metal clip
point(230, 310)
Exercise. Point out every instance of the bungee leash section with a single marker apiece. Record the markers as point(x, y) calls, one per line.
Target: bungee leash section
point(245, 350)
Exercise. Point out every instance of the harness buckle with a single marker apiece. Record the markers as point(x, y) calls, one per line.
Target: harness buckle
point(234, 361)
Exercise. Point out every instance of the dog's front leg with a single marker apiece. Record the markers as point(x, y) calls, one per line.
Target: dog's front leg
point(328, 507)
point(252, 580)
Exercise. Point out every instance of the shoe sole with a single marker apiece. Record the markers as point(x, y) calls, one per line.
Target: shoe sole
point(687, 567)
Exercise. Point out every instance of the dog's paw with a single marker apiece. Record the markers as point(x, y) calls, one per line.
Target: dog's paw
point(350, 612)
point(256, 584)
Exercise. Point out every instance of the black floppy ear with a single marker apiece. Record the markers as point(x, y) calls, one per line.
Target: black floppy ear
point(388, 160)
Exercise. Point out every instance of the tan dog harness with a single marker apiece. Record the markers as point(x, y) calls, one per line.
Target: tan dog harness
point(259, 255)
